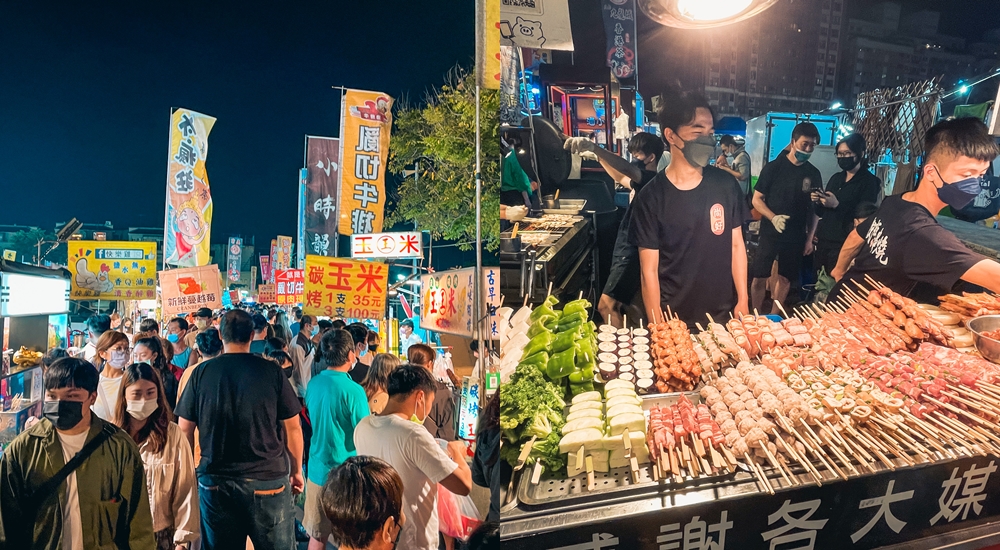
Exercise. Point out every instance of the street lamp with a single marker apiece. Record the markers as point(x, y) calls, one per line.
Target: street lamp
point(702, 14)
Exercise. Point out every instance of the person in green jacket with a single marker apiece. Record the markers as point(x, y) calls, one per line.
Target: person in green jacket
point(103, 504)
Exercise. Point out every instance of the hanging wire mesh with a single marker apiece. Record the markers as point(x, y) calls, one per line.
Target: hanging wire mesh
point(894, 121)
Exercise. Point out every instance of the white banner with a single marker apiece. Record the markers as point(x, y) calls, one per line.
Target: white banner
point(536, 24)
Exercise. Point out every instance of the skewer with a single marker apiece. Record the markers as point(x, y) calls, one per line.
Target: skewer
point(808, 444)
point(980, 406)
point(671, 313)
point(783, 312)
point(965, 413)
point(973, 393)
point(833, 449)
point(763, 475)
point(536, 473)
point(947, 432)
point(852, 446)
point(627, 441)
point(971, 431)
point(525, 304)
point(774, 462)
point(798, 458)
point(521, 459)
point(873, 282)
point(880, 449)
point(889, 445)
point(757, 474)
point(837, 452)
point(926, 433)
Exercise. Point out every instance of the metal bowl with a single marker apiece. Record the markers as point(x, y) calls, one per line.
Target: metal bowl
point(988, 347)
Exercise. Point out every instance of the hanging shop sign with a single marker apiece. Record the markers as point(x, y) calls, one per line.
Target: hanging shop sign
point(320, 213)
point(447, 300)
point(289, 286)
point(468, 413)
point(536, 24)
point(235, 258)
point(365, 123)
point(283, 250)
point(337, 287)
point(112, 270)
point(491, 295)
point(10, 255)
point(265, 293)
point(273, 257)
point(488, 44)
point(387, 245)
point(187, 289)
point(619, 30)
point(22, 295)
point(265, 268)
point(189, 198)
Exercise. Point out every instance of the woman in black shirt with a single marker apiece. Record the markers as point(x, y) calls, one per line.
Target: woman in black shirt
point(835, 207)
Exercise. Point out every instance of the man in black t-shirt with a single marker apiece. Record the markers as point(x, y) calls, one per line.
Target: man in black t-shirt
point(782, 198)
point(623, 281)
point(246, 414)
point(902, 245)
point(687, 223)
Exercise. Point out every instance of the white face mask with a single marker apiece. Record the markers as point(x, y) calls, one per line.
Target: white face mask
point(140, 409)
point(118, 360)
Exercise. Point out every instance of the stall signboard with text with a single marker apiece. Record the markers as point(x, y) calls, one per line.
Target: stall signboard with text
point(265, 294)
point(234, 258)
point(447, 300)
point(187, 289)
point(112, 270)
point(491, 295)
point(386, 245)
point(338, 287)
point(289, 286)
point(283, 258)
point(365, 123)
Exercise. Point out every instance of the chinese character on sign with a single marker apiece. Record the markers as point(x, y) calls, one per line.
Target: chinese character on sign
point(883, 503)
point(324, 205)
point(315, 274)
point(600, 541)
point(341, 280)
point(184, 181)
point(973, 493)
point(361, 221)
point(804, 528)
point(314, 298)
point(410, 244)
point(321, 243)
point(365, 193)
point(187, 154)
point(697, 535)
point(368, 139)
point(370, 277)
point(366, 167)
point(186, 126)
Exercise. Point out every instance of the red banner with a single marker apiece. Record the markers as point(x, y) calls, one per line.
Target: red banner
point(289, 286)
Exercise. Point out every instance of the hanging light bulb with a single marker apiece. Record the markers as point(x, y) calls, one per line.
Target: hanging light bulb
point(702, 14)
point(700, 10)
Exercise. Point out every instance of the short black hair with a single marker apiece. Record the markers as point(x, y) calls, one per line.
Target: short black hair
point(727, 140)
point(647, 144)
point(406, 323)
point(485, 537)
point(339, 323)
point(865, 209)
point(406, 379)
point(678, 108)
point(359, 333)
point(209, 342)
point(966, 136)
point(237, 327)
point(204, 313)
point(53, 355)
point(324, 324)
point(856, 144)
point(359, 496)
point(337, 346)
point(259, 322)
point(274, 344)
point(805, 129)
point(279, 357)
point(149, 325)
point(71, 372)
point(306, 320)
point(99, 324)
point(181, 322)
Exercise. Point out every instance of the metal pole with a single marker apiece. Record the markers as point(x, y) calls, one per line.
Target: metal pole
point(478, 284)
point(531, 119)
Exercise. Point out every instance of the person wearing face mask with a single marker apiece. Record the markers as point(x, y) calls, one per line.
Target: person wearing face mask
point(150, 352)
point(735, 161)
point(202, 320)
point(96, 326)
point(441, 417)
point(144, 415)
point(363, 501)
point(782, 196)
point(398, 437)
point(73, 481)
point(177, 330)
point(336, 404)
point(902, 245)
point(303, 352)
point(623, 280)
point(112, 357)
point(835, 207)
point(688, 223)
point(360, 334)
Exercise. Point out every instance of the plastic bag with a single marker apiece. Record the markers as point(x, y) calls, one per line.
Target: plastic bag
point(458, 516)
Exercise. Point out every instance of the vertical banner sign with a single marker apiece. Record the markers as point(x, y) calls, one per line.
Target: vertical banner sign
point(188, 289)
point(289, 286)
point(619, 27)
point(320, 202)
point(536, 24)
point(365, 119)
point(112, 270)
point(265, 268)
point(488, 44)
point(235, 259)
point(468, 412)
point(265, 294)
point(253, 279)
point(337, 287)
point(274, 260)
point(189, 199)
point(446, 301)
point(491, 295)
point(284, 260)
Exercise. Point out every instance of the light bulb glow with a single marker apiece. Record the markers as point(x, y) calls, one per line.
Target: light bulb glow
point(711, 10)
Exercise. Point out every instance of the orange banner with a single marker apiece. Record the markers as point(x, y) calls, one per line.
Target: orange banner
point(187, 289)
point(337, 287)
point(365, 122)
point(266, 294)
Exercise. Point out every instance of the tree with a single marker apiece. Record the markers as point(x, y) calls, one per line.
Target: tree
point(25, 243)
point(441, 134)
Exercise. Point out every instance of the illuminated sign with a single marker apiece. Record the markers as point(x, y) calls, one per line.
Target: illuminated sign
point(387, 245)
point(30, 295)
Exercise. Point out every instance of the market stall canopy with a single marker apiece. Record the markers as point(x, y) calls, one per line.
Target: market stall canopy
point(7, 266)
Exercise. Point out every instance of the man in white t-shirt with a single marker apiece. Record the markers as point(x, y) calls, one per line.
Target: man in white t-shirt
point(110, 483)
point(398, 437)
point(408, 337)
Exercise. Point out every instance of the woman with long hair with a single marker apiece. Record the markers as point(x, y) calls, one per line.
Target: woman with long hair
point(282, 328)
point(151, 352)
point(283, 360)
point(111, 358)
point(166, 457)
point(485, 470)
point(377, 380)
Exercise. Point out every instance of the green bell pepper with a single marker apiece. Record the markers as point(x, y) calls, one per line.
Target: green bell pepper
point(540, 342)
point(561, 364)
point(552, 322)
point(543, 310)
point(576, 306)
point(583, 387)
point(585, 349)
point(539, 360)
point(538, 327)
point(565, 340)
point(570, 322)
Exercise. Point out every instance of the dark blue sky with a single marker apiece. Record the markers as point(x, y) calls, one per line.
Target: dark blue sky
point(86, 88)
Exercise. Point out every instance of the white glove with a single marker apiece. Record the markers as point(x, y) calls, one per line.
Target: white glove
point(516, 213)
point(779, 222)
point(579, 145)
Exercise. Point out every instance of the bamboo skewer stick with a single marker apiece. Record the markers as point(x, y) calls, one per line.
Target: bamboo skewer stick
point(978, 395)
point(814, 448)
point(966, 414)
point(776, 464)
point(906, 434)
point(790, 448)
point(947, 432)
point(833, 448)
point(759, 474)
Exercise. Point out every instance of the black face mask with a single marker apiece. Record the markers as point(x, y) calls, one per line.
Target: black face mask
point(847, 163)
point(373, 348)
point(63, 414)
point(288, 372)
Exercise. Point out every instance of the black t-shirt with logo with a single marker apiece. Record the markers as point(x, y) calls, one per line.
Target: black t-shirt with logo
point(907, 250)
point(692, 230)
point(786, 190)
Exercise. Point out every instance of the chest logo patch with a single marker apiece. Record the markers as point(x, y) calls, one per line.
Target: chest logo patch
point(717, 218)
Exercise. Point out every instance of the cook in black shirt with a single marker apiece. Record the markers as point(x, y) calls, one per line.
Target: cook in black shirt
point(835, 208)
point(623, 280)
point(687, 223)
point(782, 197)
point(902, 245)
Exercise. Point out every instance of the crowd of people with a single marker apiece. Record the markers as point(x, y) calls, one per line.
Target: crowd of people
point(204, 435)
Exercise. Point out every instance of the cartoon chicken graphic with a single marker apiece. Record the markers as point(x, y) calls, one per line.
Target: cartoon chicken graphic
point(89, 280)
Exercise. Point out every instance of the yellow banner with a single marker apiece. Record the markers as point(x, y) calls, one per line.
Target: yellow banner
point(488, 43)
point(337, 287)
point(189, 199)
point(112, 270)
point(365, 122)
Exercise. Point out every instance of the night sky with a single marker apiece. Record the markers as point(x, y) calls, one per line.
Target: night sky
point(86, 89)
